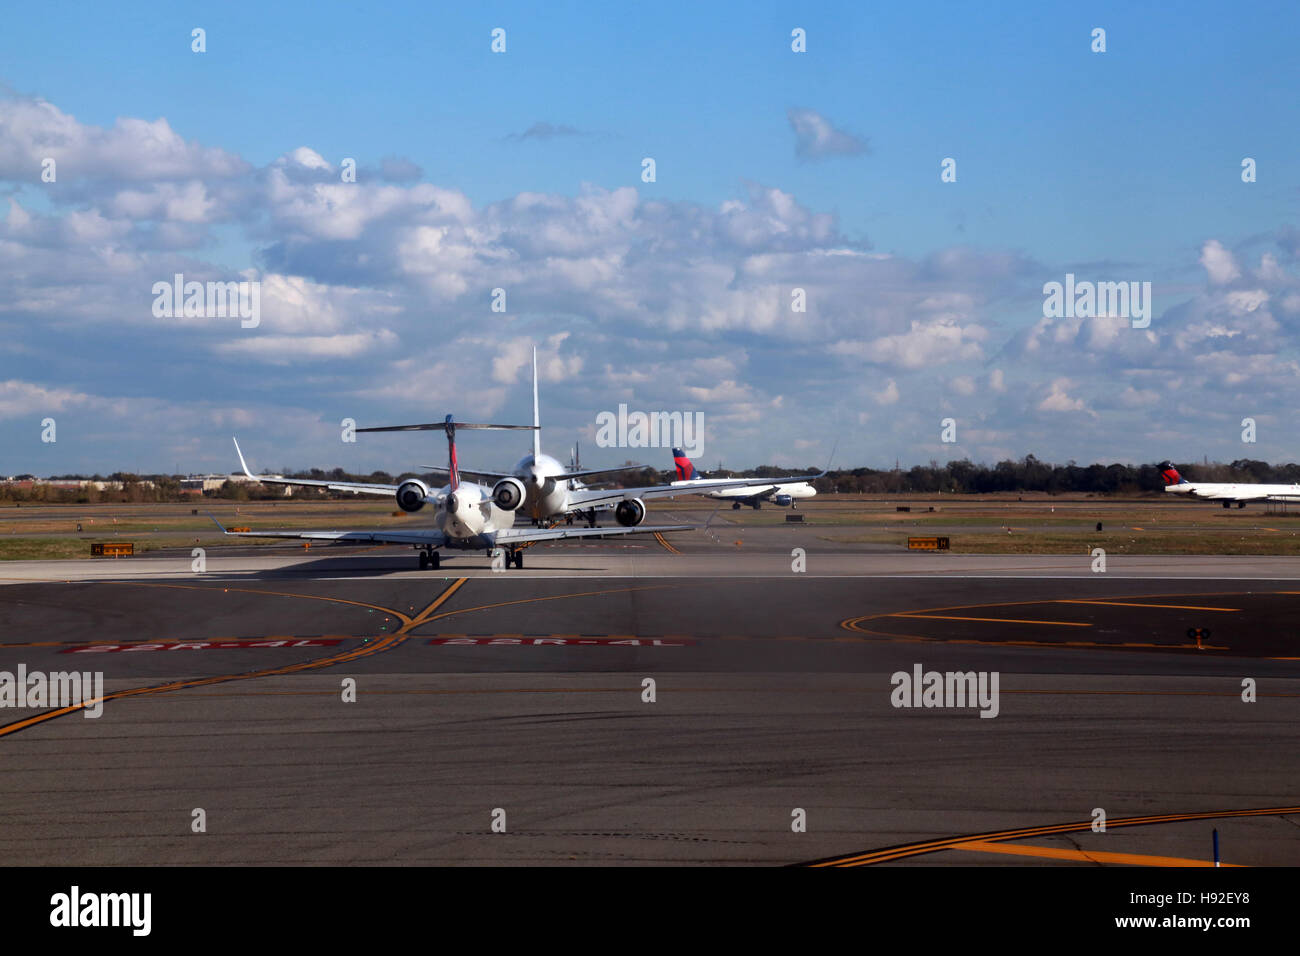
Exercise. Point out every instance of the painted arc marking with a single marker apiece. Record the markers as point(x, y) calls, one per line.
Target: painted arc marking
point(991, 620)
point(1083, 856)
point(1175, 607)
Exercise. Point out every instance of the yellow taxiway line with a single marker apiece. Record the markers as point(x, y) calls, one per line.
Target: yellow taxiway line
point(1084, 856)
point(889, 854)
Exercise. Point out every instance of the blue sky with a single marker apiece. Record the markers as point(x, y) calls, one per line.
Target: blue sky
point(925, 296)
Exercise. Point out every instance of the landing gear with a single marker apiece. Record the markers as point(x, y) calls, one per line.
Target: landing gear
point(757, 505)
point(507, 556)
point(429, 560)
point(1241, 504)
point(591, 517)
point(735, 506)
point(1227, 504)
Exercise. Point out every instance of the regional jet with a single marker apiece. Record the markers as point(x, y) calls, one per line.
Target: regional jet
point(782, 493)
point(547, 491)
point(1226, 492)
point(467, 516)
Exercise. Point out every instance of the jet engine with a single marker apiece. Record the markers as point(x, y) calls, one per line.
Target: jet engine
point(630, 512)
point(508, 494)
point(783, 500)
point(411, 495)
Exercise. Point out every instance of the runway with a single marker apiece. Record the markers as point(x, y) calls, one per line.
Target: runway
point(518, 699)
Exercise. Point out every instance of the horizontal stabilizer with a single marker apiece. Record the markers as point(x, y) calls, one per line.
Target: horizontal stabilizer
point(468, 471)
point(442, 426)
point(589, 472)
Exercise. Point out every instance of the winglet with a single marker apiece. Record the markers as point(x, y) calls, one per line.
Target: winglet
point(830, 459)
point(243, 463)
point(214, 518)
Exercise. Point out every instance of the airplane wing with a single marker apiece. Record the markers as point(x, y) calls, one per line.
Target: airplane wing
point(357, 486)
point(520, 535)
point(416, 536)
point(1234, 496)
point(436, 539)
point(586, 498)
point(589, 472)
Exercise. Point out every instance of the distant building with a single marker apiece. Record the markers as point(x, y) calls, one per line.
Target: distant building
point(210, 484)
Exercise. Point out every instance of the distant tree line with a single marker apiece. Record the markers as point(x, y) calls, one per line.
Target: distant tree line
point(956, 477)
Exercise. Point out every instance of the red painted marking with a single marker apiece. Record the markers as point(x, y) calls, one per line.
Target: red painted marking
point(195, 646)
point(552, 641)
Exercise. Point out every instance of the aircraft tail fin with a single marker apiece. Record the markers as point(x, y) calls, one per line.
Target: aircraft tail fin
point(685, 468)
point(1170, 474)
point(453, 466)
point(537, 413)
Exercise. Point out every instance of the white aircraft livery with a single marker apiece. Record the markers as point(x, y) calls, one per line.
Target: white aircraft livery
point(1226, 492)
point(467, 516)
point(780, 492)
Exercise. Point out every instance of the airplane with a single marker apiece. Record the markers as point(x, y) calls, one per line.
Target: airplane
point(544, 490)
point(1226, 492)
point(782, 493)
point(469, 516)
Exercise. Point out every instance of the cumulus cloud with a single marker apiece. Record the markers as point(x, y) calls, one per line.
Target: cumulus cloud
point(1220, 265)
point(376, 301)
point(19, 398)
point(1057, 398)
point(131, 150)
point(924, 344)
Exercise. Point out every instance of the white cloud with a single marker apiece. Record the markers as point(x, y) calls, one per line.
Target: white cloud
point(289, 349)
point(816, 138)
point(1219, 263)
point(23, 399)
point(1057, 399)
point(925, 344)
point(132, 150)
point(888, 395)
